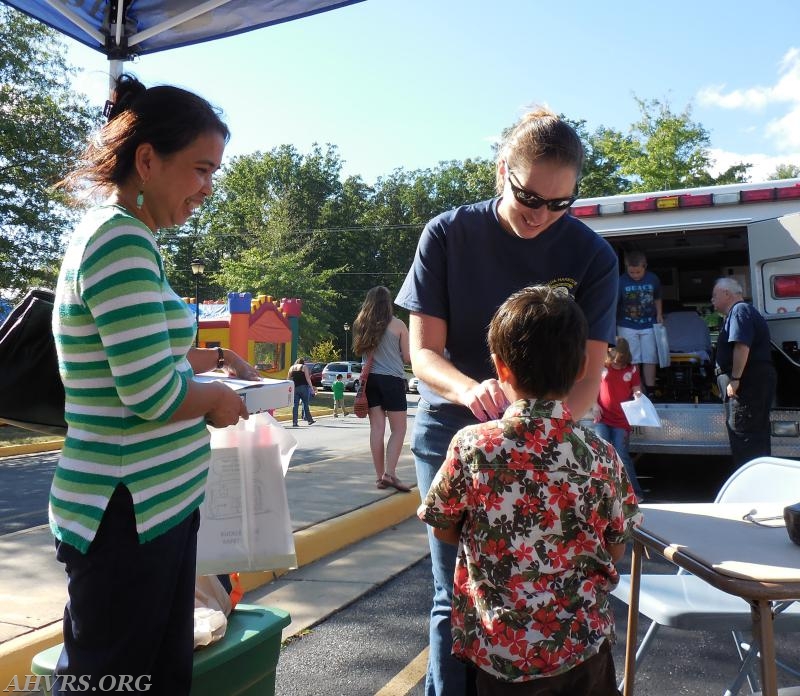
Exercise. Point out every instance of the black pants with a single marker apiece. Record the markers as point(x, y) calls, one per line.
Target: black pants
point(130, 614)
point(595, 677)
point(747, 414)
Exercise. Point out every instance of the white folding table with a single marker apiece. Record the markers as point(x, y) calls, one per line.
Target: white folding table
point(714, 542)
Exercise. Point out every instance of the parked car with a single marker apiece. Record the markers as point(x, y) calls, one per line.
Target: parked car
point(350, 372)
point(315, 370)
point(413, 384)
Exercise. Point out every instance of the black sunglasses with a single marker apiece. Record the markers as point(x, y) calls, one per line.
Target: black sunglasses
point(533, 200)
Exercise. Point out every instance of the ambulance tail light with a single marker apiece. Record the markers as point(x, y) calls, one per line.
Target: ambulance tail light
point(785, 286)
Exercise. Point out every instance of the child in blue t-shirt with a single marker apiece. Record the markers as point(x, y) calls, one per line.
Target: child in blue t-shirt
point(638, 308)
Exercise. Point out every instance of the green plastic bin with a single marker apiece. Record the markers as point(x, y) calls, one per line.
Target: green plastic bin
point(243, 663)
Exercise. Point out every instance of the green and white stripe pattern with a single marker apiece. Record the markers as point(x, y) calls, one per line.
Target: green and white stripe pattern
point(122, 336)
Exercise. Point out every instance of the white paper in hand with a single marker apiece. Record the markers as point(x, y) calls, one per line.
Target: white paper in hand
point(641, 412)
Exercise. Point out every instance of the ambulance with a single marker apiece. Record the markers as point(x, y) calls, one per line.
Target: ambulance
point(692, 237)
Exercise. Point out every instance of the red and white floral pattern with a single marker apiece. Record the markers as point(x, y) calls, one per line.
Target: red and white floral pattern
point(538, 499)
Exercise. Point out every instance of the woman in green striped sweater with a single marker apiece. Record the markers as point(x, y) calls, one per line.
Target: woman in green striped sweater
point(125, 495)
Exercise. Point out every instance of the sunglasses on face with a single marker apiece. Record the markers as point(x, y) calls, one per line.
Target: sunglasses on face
point(533, 200)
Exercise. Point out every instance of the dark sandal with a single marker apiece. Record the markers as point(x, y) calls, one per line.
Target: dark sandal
point(380, 483)
point(395, 482)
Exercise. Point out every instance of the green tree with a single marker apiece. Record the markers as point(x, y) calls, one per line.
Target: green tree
point(325, 352)
point(257, 232)
point(43, 124)
point(668, 151)
point(785, 171)
point(601, 175)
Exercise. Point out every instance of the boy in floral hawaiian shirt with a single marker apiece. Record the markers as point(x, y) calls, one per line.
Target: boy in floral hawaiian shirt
point(542, 510)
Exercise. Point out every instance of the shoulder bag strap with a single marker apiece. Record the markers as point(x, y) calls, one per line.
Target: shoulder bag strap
point(365, 370)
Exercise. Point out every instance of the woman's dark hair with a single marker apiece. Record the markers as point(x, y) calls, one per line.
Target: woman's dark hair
point(372, 320)
point(168, 118)
point(540, 334)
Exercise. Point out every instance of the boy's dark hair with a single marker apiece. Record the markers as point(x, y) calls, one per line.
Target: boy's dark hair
point(635, 257)
point(540, 334)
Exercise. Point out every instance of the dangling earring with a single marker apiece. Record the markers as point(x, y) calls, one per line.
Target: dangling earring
point(140, 199)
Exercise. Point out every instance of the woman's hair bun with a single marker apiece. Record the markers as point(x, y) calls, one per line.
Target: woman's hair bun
point(127, 89)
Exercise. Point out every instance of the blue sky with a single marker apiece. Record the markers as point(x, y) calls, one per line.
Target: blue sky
point(409, 83)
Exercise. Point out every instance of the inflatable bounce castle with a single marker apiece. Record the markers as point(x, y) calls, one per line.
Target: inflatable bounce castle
point(263, 331)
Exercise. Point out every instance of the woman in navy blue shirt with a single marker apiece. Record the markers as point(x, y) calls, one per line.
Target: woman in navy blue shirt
point(468, 261)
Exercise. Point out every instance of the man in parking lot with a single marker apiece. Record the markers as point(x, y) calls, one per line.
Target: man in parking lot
point(745, 374)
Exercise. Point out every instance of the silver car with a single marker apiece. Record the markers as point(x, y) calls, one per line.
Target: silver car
point(350, 372)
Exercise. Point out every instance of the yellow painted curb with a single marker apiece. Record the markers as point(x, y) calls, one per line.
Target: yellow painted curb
point(31, 448)
point(319, 540)
point(16, 655)
point(332, 535)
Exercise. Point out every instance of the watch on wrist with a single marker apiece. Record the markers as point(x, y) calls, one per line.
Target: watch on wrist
point(220, 358)
point(736, 379)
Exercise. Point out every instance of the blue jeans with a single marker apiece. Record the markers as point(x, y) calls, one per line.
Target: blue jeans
point(620, 438)
point(302, 393)
point(433, 430)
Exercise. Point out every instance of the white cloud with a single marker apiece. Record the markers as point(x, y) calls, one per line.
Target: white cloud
point(763, 165)
point(785, 90)
point(784, 130)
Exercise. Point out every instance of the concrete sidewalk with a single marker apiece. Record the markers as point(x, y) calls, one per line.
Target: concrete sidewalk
point(333, 505)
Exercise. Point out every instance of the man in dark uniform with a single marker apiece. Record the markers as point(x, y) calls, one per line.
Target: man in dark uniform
point(745, 374)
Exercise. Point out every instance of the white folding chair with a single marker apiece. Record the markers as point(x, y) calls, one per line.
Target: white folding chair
point(682, 601)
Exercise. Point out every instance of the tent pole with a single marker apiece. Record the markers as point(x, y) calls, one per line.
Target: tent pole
point(114, 71)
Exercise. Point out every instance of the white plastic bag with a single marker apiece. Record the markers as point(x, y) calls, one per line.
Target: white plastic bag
point(212, 605)
point(244, 519)
point(209, 626)
point(641, 411)
point(662, 344)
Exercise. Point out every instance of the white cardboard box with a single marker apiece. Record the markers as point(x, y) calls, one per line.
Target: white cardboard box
point(260, 396)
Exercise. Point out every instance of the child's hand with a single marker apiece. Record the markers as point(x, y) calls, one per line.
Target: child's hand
point(597, 413)
point(637, 394)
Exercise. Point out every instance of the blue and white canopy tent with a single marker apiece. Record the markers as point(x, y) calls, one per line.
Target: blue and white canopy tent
point(125, 29)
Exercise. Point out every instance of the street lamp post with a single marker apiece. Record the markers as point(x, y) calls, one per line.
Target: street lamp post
point(198, 268)
point(346, 329)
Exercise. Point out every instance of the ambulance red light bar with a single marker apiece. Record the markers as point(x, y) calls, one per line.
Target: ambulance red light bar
point(787, 192)
point(757, 195)
point(786, 286)
point(667, 202)
point(690, 200)
point(585, 210)
point(640, 206)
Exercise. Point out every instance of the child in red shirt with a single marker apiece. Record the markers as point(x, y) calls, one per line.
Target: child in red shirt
point(620, 382)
